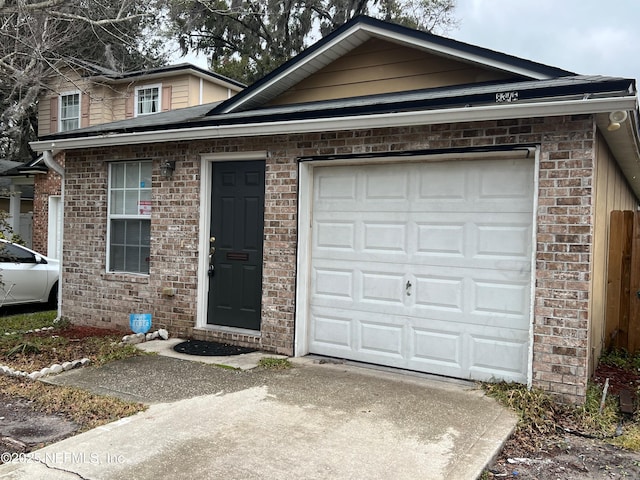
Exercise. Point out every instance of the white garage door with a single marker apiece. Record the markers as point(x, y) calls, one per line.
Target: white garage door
point(424, 266)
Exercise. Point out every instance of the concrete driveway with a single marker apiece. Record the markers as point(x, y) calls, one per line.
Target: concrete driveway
point(314, 421)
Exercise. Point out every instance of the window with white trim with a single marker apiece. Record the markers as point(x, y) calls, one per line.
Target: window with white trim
point(148, 99)
point(69, 111)
point(129, 217)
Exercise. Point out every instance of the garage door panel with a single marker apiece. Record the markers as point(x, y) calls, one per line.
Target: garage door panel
point(424, 266)
point(332, 234)
point(506, 180)
point(440, 293)
point(498, 358)
point(351, 334)
point(506, 299)
point(334, 282)
point(385, 236)
point(383, 288)
point(441, 182)
point(503, 241)
point(436, 347)
point(335, 186)
point(379, 291)
point(332, 331)
point(385, 184)
point(440, 239)
point(381, 339)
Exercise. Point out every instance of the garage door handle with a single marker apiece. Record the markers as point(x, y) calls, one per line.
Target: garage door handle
point(407, 288)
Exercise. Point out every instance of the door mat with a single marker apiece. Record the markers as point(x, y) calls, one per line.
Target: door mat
point(210, 349)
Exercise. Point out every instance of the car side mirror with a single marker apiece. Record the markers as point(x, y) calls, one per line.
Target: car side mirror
point(39, 259)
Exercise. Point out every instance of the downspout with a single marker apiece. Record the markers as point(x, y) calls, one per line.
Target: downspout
point(47, 155)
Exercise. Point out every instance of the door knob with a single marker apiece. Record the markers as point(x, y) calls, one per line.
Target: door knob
point(212, 240)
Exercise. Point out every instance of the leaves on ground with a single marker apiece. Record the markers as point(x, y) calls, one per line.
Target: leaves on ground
point(65, 342)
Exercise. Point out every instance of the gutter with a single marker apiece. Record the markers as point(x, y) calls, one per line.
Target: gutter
point(47, 156)
point(49, 161)
point(355, 122)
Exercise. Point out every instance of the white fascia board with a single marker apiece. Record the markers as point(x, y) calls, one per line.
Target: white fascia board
point(396, 119)
point(380, 32)
point(455, 53)
point(296, 66)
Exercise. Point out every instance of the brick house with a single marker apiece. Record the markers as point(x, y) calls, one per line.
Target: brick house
point(387, 196)
point(84, 95)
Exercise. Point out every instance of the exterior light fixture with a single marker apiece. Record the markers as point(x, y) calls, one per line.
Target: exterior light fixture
point(167, 168)
point(615, 119)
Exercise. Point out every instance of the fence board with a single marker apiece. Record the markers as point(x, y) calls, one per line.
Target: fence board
point(634, 287)
point(617, 320)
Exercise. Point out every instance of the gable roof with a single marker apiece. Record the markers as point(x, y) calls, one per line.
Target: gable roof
point(529, 90)
point(361, 29)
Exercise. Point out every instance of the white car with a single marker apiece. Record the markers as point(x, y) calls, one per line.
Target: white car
point(26, 276)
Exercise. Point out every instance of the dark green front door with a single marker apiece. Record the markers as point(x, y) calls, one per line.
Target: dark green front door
point(235, 261)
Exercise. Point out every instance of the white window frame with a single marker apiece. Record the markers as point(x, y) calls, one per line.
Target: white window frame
point(61, 119)
point(141, 214)
point(141, 88)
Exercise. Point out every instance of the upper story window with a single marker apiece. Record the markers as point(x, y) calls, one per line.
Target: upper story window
point(148, 99)
point(69, 111)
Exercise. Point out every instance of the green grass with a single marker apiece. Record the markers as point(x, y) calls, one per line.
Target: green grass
point(275, 363)
point(110, 351)
point(618, 357)
point(27, 321)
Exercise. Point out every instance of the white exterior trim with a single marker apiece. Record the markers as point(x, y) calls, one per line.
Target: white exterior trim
point(79, 117)
point(360, 33)
point(453, 52)
point(534, 243)
point(395, 119)
point(150, 86)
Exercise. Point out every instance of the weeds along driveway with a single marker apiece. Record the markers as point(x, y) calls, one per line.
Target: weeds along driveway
point(311, 421)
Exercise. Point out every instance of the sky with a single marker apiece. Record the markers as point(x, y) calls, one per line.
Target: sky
point(599, 37)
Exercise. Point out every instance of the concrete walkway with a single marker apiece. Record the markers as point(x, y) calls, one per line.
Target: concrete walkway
point(314, 421)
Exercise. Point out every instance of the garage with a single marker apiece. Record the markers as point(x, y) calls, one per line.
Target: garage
point(424, 265)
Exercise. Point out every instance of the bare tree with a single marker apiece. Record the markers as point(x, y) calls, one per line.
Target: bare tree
point(41, 38)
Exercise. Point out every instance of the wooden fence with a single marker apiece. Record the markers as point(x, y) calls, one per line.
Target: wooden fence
point(623, 282)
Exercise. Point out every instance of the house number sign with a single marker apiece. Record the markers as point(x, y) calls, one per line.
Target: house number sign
point(506, 97)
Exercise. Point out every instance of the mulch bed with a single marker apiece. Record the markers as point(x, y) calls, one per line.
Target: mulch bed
point(78, 332)
point(619, 378)
point(210, 349)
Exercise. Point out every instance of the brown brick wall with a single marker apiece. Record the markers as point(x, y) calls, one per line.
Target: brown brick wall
point(564, 239)
point(44, 185)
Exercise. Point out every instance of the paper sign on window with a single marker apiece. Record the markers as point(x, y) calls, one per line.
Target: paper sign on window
point(144, 207)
